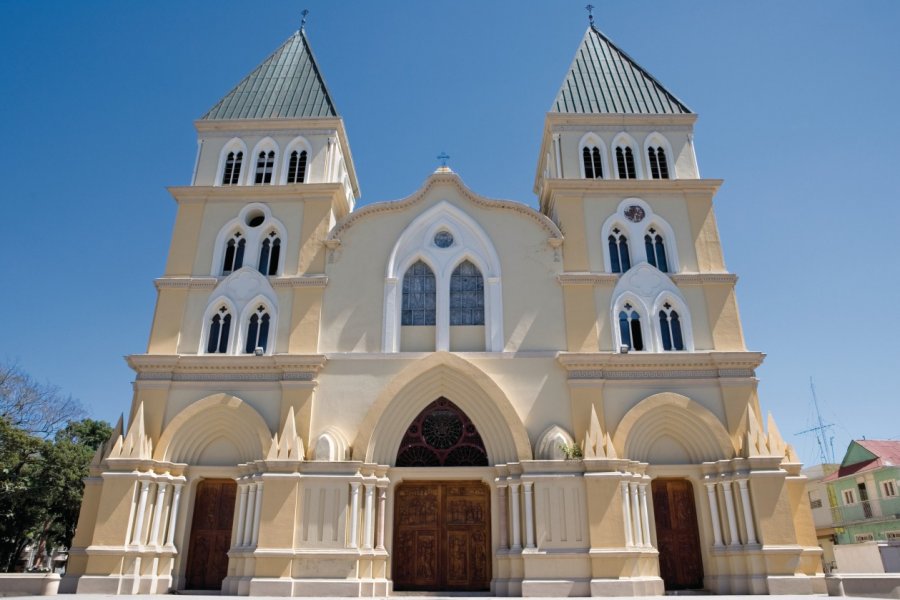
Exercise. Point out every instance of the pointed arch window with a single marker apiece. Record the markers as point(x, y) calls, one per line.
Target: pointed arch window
point(442, 436)
point(466, 295)
point(418, 305)
point(297, 167)
point(630, 333)
point(625, 162)
point(219, 330)
point(258, 330)
point(232, 173)
point(269, 253)
point(619, 256)
point(655, 246)
point(593, 167)
point(670, 328)
point(659, 168)
point(265, 165)
point(234, 253)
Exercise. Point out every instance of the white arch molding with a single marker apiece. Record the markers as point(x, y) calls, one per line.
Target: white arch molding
point(592, 139)
point(211, 309)
point(299, 144)
point(235, 144)
point(626, 141)
point(264, 145)
point(470, 242)
point(252, 235)
point(656, 139)
point(550, 445)
point(635, 233)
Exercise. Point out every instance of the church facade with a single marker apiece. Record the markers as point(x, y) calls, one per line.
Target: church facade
point(446, 392)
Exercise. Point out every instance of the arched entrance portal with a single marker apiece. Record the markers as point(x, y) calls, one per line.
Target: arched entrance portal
point(207, 558)
point(442, 528)
point(677, 534)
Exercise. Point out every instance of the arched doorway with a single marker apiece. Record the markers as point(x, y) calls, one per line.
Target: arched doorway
point(442, 528)
point(207, 558)
point(677, 534)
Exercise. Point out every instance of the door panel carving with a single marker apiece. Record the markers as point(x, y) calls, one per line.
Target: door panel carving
point(207, 559)
point(442, 536)
point(677, 534)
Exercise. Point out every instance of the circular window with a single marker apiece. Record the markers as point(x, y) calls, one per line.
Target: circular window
point(443, 239)
point(255, 218)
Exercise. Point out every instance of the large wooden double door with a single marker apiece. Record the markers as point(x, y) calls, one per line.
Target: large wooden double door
point(207, 558)
point(442, 536)
point(677, 534)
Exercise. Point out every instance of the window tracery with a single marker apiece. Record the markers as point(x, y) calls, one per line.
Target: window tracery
point(593, 164)
point(234, 253)
point(619, 255)
point(466, 295)
point(257, 330)
point(655, 247)
point(419, 288)
point(231, 175)
point(442, 436)
point(670, 328)
point(265, 166)
point(630, 333)
point(297, 167)
point(219, 330)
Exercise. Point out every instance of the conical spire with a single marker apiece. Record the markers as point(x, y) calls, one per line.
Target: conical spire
point(603, 79)
point(286, 85)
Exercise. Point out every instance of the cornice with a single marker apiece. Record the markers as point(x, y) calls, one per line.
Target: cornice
point(662, 365)
point(192, 194)
point(633, 187)
point(610, 279)
point(209, 283)
point(445, 178)
point(175, 367)
point(602, 119)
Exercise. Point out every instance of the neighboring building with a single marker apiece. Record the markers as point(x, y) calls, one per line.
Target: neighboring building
point(864, 493)
point(817, 492)
point(350, 402)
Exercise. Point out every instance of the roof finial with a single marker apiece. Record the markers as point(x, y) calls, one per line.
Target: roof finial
point(590, 9)
point(443, 157)
point(304, 13)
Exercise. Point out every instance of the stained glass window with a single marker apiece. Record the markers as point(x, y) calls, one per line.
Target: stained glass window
point(466, 295)
point(442, 436)
point(418, 304)
point(443, 239)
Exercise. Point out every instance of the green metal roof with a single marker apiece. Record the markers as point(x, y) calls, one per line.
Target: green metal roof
point(603, 79)
point(286, 85)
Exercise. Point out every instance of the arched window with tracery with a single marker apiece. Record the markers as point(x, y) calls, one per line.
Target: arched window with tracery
point(231, 175)
point(655, 246)
point(234, 253)
point(630, 333)
point(619, 256)
point(466, 295)
point(269, 253)
point(265, 166)
point(219, 330)
point(297, 167)
point(593, 166)
point(442, 436)
point(625, 162)
point(670, 328)
point(659, 168)
point(258, 330)
point(418, 304)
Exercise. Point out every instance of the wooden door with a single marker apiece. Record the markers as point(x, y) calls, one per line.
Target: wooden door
point(442, 536)
point(207, 559)
point(677, 534)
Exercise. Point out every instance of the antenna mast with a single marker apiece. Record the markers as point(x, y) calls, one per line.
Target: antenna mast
point(824, 438)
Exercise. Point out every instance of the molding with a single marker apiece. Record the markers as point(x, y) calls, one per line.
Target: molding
point(660, 365)
point(625, 120)
point(448, 178)
point(289, 192)
point(633, 187)
point(209, 283)
point(183, 368)
point(704, 278)
point(610, 279)
point(587, 278)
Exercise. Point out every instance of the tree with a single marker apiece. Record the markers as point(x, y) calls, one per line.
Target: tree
point(39, 409)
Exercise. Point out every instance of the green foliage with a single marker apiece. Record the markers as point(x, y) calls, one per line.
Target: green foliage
point(572, 451)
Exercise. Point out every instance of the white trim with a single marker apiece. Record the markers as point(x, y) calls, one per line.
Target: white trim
point(234, 144)
point(250, 308)
point(240, 290)
point(848, 497)
point(299, 143)
point(647, 287)
point(884, 488)
point(470, 242)
point(684, 316)
point(264, 145)
point(635, 234)
point(253, 235)
point(642, 310)
point(624, 139)
point(212, 307)
point(591, 139)
point(657, 139)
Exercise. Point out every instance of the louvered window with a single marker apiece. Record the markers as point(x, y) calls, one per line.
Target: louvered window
point(269, 254)
point(659, 168)
point(232, 173)
point(219, 328)
point(625, 163)
point(265, 165)
point(466, 295)
point(630, 332)
point(670, 328)
point(593, 167)
point(258, 330)
point(619, 256)
point(234, 253)
point(418, 304)
point(297, 167)
point(656, 250)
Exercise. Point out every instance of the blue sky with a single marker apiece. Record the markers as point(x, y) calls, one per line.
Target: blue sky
point(798, 114)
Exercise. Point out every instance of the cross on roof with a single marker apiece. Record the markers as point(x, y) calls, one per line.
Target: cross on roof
point(443, 157)
point(590, 9)
point(304, 13)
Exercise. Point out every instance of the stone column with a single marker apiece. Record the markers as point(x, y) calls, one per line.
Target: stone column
point(138, 536)
point(645, 514)
point(714, 513)
point(161, 488)
point(635, 514)
point(729, 510)
point(173, 514)
point(369, 527)
point(257, 509)
point(241, 517)
point(529, 514)
point(626, 514)
point(247, 525)
point(514, 509)
point(748, 511)
point(354, 514)
point(382, 501)
point(501, 516)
